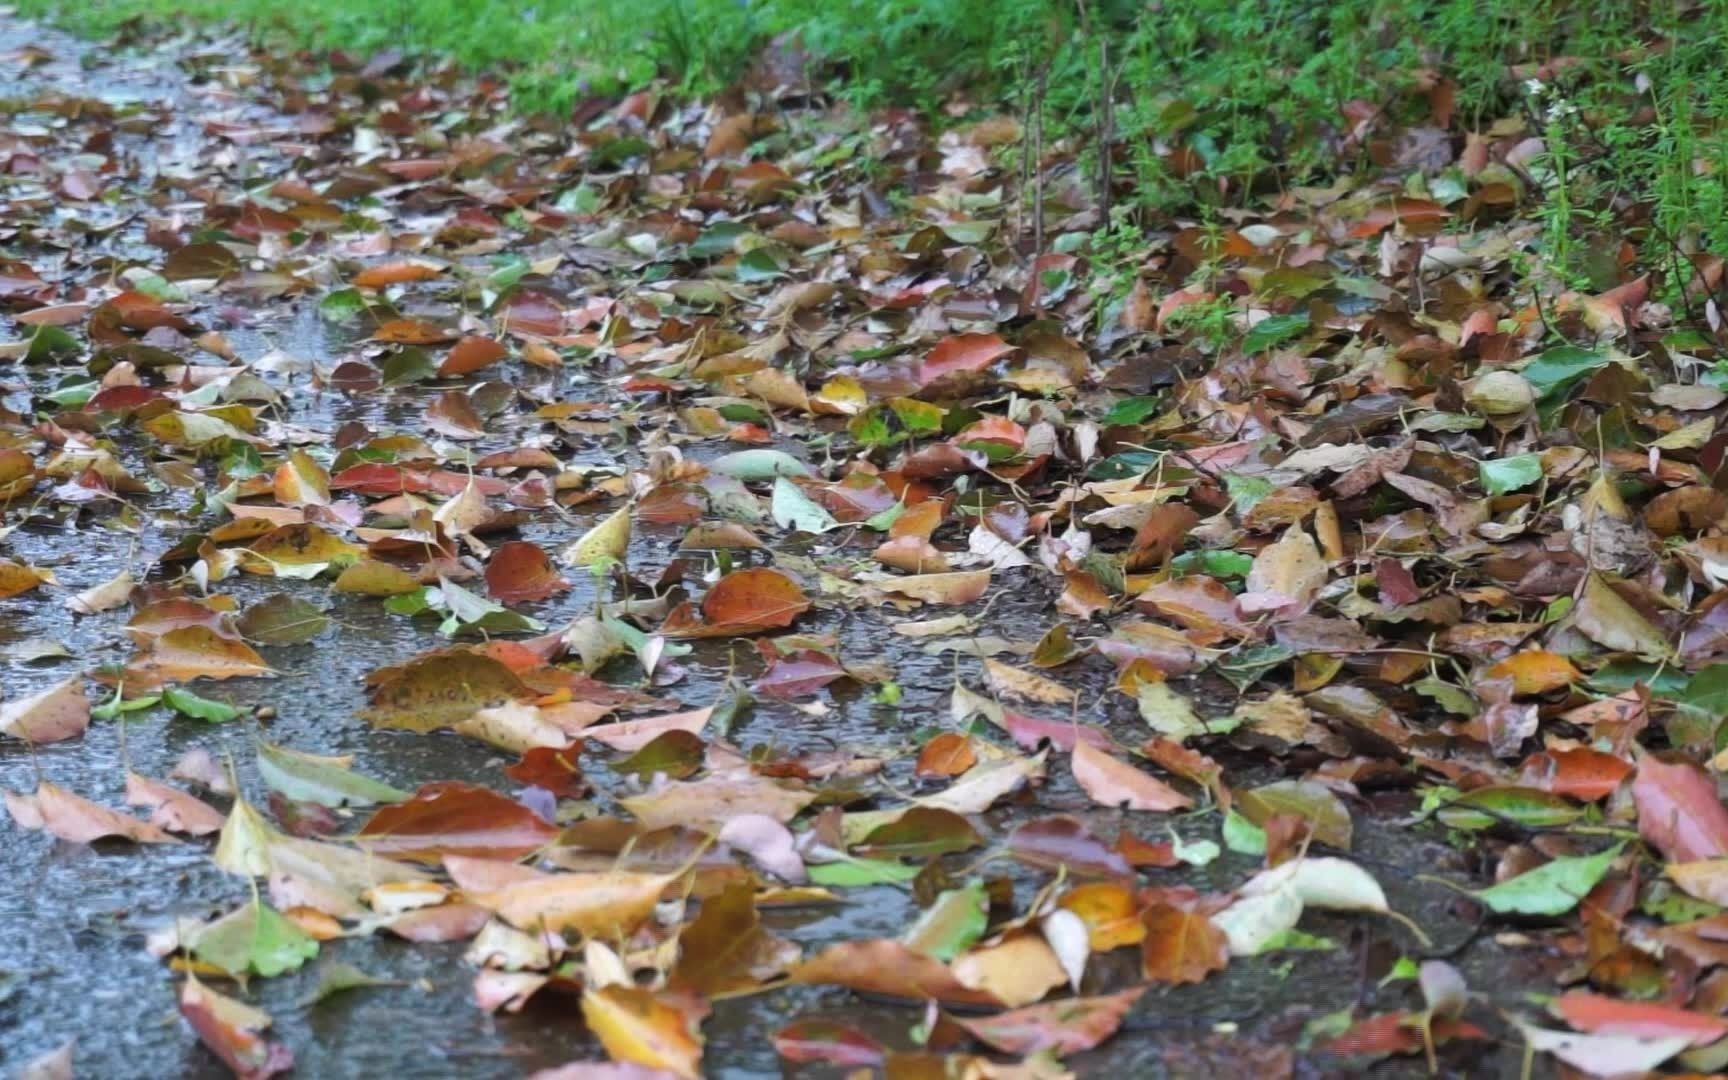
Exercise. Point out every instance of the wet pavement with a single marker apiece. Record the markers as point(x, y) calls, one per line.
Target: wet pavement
point(73, 918)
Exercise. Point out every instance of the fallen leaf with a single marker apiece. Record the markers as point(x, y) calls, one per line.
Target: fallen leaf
point(1112, 782)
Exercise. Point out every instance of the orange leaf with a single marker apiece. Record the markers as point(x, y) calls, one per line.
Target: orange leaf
point(1535, 671)
point(395, 273)
point(948, 754)
point(411, 332)
point(1181, 946)
point(743, 602)
point(193, 652)
point(471, 354)
point(1109, 912)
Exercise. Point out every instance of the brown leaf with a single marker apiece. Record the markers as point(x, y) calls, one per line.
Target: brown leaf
point(60, 712)
point(193, 652)
point(726, 949)
point(472, 354)
point(603, 905)
point(78, 820)
point(441, 690)
point(555, 769)
point(881, 966)
point(174, 810)
point(1056, 842)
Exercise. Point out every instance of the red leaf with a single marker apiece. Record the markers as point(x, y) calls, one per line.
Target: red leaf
point(962, 353)
point(1054, 842)
point(1678, 811)
point(829, 1042)
point(520, 572)
point(451, 817)
point(1067, 1027)
point(1598, 1014)
point(554, 768)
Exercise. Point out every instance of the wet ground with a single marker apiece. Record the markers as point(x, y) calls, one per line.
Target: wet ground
point(73, 918)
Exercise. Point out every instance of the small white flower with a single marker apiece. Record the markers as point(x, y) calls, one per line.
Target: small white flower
point(1534, 87)
point(1561, 109)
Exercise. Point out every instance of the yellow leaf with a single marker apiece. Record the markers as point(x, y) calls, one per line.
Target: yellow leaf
point(636, 1027)
point(608, 540)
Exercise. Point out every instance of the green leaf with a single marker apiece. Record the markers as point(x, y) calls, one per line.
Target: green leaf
point(759, 265)
point(326, 781)
point(335, 978)
point(283, 620)
point(1314, 802)
point(676, 753)
point(849, 871)
point(1273, 331)
point(1706, 691)
point(411, 603)
point(1509, 474)
point(718, 239)
point(1132, 410)
point(1664, 680)
point(115, 706)
point(953, 924)
point(1555, 371)
point(409, 364)
point(1405, 970)
point(1449, 696)
point(1531, 808)
point(469, 610)
point(1554, 888)
point(1246, 491)
point(1218, 564)
point(1297, 941)
point(255, 938)
point(758, 465)
point(186, 703)
point(1194, 852)
point(48, 342)
point(1243, 836)
point(792, 509)
point(1249, 666)
point(342, 306)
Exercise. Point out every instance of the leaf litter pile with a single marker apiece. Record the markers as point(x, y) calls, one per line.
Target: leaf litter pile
point(694, 588)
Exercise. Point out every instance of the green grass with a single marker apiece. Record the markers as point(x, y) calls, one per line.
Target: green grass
point(1215, 102)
